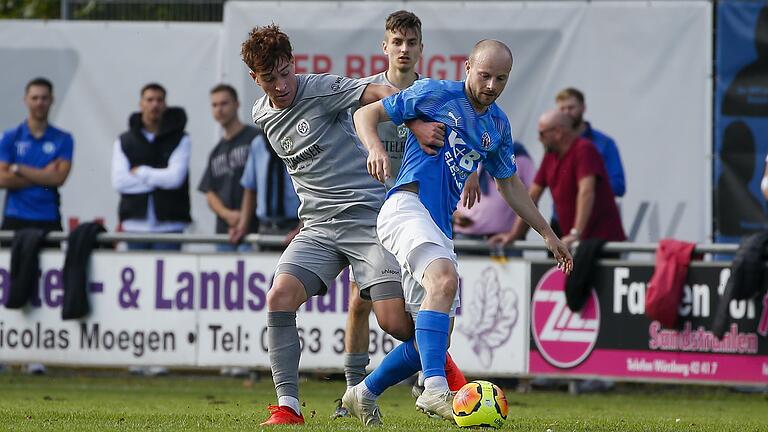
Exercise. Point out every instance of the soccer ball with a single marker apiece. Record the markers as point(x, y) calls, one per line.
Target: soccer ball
point(480, 403)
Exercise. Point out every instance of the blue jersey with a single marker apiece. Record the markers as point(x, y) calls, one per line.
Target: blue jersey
point(18, 145)
point(470, 139)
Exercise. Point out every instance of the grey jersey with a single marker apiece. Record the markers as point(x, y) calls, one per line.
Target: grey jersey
point(326, 161)
point(391, 135)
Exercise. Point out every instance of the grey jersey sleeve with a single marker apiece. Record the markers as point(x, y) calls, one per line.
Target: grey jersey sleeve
point(335, 93)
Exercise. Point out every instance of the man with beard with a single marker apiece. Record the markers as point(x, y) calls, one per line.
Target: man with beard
point(415, 221)
point(150, 169)
point(571, 102)
point(35, 160)
point(403, 46)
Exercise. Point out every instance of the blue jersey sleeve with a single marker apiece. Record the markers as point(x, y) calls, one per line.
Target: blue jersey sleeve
point(6, 146)
point(418, 100)
point(501, 163)
point(67, 147)
point(250, 173)
point(614, 167)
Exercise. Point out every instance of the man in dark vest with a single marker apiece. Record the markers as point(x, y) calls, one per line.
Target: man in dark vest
point(150, 169)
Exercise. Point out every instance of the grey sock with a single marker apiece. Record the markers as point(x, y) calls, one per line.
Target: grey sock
point(284, 352)
point(354, 367)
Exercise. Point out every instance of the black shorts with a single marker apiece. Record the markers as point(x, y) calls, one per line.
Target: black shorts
point(15, 224)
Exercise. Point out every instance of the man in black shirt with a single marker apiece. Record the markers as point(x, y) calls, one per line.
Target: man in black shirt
point(221, 181)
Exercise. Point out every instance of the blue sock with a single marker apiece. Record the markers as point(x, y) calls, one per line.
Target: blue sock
point(399, 364)
point(432, 336)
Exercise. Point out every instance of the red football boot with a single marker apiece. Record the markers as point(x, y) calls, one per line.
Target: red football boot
point(453, 374)
point(282, 415)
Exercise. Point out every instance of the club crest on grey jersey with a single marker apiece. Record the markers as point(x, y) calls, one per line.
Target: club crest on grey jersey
point(302, 127)
point(286, 144)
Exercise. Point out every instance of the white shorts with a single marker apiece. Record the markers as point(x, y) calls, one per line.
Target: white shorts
point(405, 228)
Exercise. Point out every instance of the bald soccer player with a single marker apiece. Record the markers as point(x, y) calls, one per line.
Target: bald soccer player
point(415, 220)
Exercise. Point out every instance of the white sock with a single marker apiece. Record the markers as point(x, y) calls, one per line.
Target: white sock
point(364, 392)
point(436, 384)
point(291, 402)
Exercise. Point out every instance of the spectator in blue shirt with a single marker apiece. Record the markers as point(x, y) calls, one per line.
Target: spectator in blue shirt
point(571, 102)
point(268, 193)
point(35, 159)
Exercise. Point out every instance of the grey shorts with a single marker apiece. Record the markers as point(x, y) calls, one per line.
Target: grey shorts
point(324, 249)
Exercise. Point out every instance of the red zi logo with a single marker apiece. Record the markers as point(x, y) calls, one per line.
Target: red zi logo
point(564, 338)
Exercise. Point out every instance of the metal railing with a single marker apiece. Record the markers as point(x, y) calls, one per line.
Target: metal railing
point(277, 240)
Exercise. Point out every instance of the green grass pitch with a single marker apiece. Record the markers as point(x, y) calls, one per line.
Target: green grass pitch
point(70, 401)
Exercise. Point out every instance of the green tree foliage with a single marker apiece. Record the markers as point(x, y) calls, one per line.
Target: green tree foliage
point(30, 9)
point(127, 10)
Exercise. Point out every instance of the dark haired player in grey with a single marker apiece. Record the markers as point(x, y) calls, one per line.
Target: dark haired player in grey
point(306, 120)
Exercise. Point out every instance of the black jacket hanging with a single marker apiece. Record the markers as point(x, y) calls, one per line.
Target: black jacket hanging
point(579, 283)
point(747, 278)
point(25, 266)
point(80, 245)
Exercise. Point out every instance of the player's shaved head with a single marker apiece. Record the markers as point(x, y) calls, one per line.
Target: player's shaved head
point(554, 117)
point(556, 131)
point(490, 48)
point(488, 67)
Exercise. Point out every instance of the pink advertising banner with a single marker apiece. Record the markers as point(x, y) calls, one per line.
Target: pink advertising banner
point(612, 337)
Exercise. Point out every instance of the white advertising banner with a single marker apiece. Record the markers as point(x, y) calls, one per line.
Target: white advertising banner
point(181, 309)
point(652, 96)
point(491, 332)
point(131, 320)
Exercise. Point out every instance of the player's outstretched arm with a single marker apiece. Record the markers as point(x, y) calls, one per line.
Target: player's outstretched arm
point(520, 227)
point(514, 193)
point(366, 119)
point(376, 92)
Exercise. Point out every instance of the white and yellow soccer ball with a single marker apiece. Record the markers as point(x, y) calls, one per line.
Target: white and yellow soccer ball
point(480, 403)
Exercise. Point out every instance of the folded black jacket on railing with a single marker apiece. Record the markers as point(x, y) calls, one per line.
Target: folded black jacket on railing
point(25, 266)
point(747, 278)
point(80, 245)
point(578, 285)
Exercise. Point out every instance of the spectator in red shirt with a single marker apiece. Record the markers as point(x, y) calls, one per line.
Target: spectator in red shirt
point(575, 173)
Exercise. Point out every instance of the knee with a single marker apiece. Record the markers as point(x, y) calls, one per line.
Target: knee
point(399, 327)
point(446, 286)
point(285, 295)
point(359, 309)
